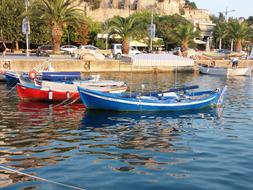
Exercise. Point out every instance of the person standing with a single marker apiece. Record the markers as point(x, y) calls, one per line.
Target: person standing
point(235, 61)
point(4, 48)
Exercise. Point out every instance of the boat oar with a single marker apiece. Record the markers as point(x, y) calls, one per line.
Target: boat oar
point(173, 90)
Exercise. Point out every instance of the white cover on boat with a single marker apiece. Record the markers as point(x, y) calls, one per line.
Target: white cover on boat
point(106, 85)
point(155, 60)
point(57, 86)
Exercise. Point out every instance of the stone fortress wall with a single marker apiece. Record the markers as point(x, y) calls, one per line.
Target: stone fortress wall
point(110, 8)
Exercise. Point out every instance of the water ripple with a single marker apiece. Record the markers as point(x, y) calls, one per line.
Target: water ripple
point(207, 149)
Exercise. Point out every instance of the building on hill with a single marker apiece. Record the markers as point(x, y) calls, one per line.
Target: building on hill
point(201, 20)
point(109, 8)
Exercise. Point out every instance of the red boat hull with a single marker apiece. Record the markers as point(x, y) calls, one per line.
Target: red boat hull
point(45, 95)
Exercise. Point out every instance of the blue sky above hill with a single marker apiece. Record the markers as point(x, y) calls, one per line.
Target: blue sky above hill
point(243, 8)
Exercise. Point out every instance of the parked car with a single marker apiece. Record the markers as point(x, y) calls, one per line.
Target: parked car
point(89, 47)
point(68, 48)
point(44, 50)
point(117, 50)
point(189, 52)
point(176, 51)
point(223, 51)
point(251, 55)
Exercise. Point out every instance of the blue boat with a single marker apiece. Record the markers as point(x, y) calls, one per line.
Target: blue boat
point(13, 77)
point(61, 76)
point(172, 100)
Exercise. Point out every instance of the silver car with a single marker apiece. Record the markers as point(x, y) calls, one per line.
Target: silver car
point(68, 48)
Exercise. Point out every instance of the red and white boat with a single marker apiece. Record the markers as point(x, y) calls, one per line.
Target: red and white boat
point(58, 91)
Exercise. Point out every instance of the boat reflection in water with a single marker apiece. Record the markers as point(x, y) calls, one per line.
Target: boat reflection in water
point(57, 112)
point(137, 136)
point(37, 136)
point(100, 118)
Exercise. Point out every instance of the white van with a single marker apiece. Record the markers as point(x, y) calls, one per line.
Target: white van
point(117, 50)
point(251, 55)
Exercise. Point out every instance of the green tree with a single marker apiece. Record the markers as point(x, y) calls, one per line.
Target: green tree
point(83, 33)
point(218, 19)
point(94, 28)
point(143, 19)
point(11, 16)
point(185, 34)
point(190, 4)
point(125, 28)
point(58, 14)
point(239, 32)
point(166, 26)
point(40, 33)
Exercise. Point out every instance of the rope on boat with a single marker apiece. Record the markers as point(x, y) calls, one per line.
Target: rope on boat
point(65, 101)
point(12, 88)
point(72, 102)
point(61, 103)
point(42, 179)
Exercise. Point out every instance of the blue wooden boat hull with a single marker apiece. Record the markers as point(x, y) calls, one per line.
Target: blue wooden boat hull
point(13, 78)
point(107, 101)
point(61, 76)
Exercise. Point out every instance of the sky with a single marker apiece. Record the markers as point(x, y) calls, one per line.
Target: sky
point(243, 8)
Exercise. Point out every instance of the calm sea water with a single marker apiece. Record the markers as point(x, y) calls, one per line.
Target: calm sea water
point(208, 149)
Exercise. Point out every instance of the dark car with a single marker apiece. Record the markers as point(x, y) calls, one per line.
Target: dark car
point(223, 51)
point(44, 50)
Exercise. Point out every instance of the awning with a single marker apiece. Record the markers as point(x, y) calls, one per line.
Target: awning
point(159, 60)
point(138, 44)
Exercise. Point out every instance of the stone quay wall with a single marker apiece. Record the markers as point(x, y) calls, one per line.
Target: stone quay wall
point(110, 65)
point(25, 65)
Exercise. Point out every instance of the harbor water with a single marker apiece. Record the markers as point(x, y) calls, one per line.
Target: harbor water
point(200, 150)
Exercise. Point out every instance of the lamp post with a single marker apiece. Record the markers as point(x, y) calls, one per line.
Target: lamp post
point(151, 30)
point(26, 28)
point(68, 38)
point(226, 13)
point(226, 19)
point(129, 6)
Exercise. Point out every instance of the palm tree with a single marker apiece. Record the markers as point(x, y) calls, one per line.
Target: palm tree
point(184, 35)
point(125, 28)
point(220, 32)
point(238, 31)
point(58, 14)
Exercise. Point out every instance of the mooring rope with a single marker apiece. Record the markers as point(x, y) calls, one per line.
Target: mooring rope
point(12, 88)
point(72, 102)
point(63, 102)
point(42, 179)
